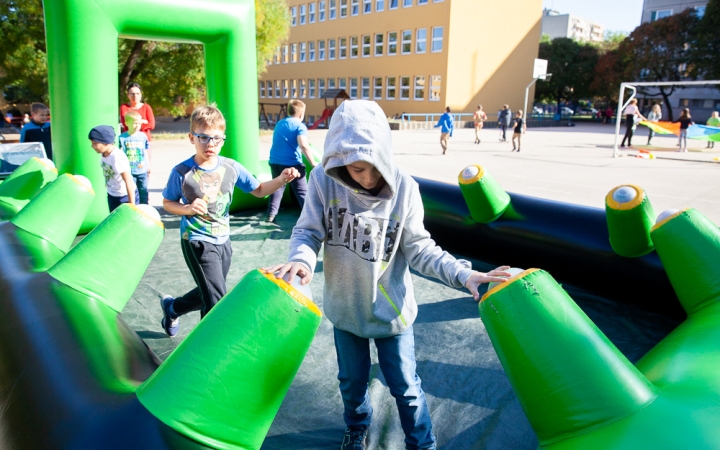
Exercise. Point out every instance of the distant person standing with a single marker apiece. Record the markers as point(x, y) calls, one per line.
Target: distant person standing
point(608, 114)
point(630, 113)
point(38, 129)
point(654, 116)
point(289, 144)
point(518, 130)
point(713, 121)
point(479, 118)
point(504, 119)
point(685, 120)
point(446, 122)
point(134, 95)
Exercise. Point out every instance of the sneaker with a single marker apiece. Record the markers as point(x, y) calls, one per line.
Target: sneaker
point(354, 440)
point(270, 219)
point(170, 325)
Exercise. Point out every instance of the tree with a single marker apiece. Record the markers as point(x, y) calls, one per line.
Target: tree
point(571, 64)
point(659, 51)
point(609, 68)
point(706, 46)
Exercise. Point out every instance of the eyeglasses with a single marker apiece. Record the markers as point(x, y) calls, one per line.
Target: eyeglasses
point(204, 138)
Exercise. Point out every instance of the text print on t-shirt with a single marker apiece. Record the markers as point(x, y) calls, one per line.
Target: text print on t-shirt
point(361, 234)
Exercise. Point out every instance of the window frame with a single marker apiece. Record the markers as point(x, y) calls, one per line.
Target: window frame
point(321, 11)
point(353, 86)
point(311, 51)
point(342, 83)
point(402, 88)
point(278, 88)
point(434, 39)
point(333, 82)
point(332, 49)
point(381, 44)
point(419, 84)
point(303, 52)
point(286, 89)
point(311, 12)
point(379, 5)
point(332, 9)
point(407, 3)
point(302, 88)
point(354, 47)
point(354, 7)
point(262, 89)
point(366, 46)
point(393, 4)
point(365, 90)
point(303, 14)
point(293, 88)
point(321, 50)
point(367, 6)
point(342, 48)
point(435, 88)
point(320, 87)
point(376, 88)
point(343, 13)
point(404, 42)
point(293, 16)
point(293, 53)
point(389, 86)
point(311, 87)
point(286, 54)
point(419, 40)
point(392, 43)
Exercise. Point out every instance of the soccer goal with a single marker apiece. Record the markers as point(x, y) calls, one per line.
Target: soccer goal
point(633, 88)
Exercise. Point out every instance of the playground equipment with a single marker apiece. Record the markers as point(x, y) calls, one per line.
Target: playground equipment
point(327, 113)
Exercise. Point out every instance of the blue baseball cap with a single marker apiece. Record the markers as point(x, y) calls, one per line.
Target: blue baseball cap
point(104, 134)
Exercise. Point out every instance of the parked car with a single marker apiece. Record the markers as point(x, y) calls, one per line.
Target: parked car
point(565, 111)
point(537, 110)
point(587, 112)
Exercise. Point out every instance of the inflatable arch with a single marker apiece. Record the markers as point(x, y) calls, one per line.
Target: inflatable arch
point(82, 37)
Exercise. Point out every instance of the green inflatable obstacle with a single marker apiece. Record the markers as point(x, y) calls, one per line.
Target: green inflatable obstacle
point(223, 385)
point(108, 264)
point(48, 225)
point(485, 199)
point(630, 218)
point(579, 392)
point(24, 184)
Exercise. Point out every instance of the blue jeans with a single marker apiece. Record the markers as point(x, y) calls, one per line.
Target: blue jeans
point(141, 181)
point(396, 355)
point(115, 202)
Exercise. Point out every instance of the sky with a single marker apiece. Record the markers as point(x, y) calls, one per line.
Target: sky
point(614, 15)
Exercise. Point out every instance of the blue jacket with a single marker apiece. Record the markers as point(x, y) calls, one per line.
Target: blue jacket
point(446, 122)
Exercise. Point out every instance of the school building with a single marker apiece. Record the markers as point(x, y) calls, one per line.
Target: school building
point(411, 56)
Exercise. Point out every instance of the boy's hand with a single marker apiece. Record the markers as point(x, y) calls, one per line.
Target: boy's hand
point(293, 268)
point(477, 278)
point(290, 174)
point(198, 206)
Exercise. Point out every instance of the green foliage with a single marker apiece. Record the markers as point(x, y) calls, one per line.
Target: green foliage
point(23, 60)
point(706, 47)
point(572, 64)
point(272, 21)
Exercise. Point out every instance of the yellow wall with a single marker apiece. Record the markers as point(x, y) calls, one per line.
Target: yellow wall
point(472, 61)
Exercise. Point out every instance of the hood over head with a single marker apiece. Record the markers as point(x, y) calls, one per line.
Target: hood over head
point(359, 131)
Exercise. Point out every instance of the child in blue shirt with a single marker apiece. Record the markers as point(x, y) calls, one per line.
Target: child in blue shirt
point(38, 129)
point(200, 191)
point(137, 148)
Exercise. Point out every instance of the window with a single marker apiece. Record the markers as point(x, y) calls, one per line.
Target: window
point(262, 89)
point(342, 83)
point(277, 89)
point(285, 52)
point(333, 7)
point(311, 51)
point(365, 83)
point(379, 5)
point(353, 87)
point(404, 88)
point(293, 53)
point(390, 95)
point(302, 14)
point(406, 42)
point(367, 6)
point(437, 38)
point(377, 88)
point(366, 46)
point(277, 57)
point(321, 50)
point(684, 102)
point(435, 88)
point(407, 3)
point(354, 47)
point(438, 1)
point(419, 93)
point(303, 88)
point(285, 88)
point(331, 48)
point(379, 38)
point(343, 8)
point(700, 11)
point(422, 2)
point(293, 88)
point(393, 4)
point(420, 40)
point(392, 43)
point(303, 51)
point(269, 92)
point(311, 12)
point(321, 11)
point(343, 48)
point(660, 14)
point(355, 4)
point(321, 86)
point(293, 16)
point(331, 83)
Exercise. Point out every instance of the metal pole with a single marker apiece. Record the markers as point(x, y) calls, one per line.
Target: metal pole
point(527, 92)
point(621, 107)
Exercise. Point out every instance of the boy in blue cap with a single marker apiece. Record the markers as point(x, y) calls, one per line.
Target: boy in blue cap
point(116, 167)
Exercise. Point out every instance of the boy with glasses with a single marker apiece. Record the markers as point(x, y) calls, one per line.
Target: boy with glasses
point(200, 191)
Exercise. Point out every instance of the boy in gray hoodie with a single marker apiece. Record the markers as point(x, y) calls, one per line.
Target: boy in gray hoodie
point(369, 214)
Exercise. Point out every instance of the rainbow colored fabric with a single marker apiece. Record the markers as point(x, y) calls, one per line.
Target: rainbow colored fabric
point(700, 132)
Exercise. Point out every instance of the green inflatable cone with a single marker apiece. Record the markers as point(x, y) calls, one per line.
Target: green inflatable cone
point(570, 379)
point(689, 247)
point(109, 263)
point(223, 385)
point(23, 184)
point(56, 214)
point(485, 199)
point(630, 218)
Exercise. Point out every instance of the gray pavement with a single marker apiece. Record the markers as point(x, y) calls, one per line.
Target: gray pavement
point(573, 164)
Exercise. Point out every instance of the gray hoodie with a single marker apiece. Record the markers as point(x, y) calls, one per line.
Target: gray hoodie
point(369, 239)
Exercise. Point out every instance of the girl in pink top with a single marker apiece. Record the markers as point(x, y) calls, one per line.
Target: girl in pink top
point(134, 94)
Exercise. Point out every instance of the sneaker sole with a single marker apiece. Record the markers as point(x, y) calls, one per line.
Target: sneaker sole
point(162, 321)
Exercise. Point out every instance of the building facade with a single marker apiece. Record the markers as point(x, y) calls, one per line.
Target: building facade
point(411, 56)
point(558, 25)
point(702, 100)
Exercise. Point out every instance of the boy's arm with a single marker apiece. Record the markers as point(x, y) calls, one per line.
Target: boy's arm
point(273, 185)
point(127, 178)
point(305, 148)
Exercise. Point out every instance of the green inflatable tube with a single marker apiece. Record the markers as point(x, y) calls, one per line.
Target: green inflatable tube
point(630, 217)
point(485, 199)
point(24, 184)
point(223, 385)
point(100, 266)
point(83, 75)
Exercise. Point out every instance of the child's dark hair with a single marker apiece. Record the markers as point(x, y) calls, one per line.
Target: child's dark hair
point(132, 85)
point(685, 113)
point(37, 107)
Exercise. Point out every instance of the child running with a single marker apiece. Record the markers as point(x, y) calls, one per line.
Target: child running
point(369, 215)
point(200, 191)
